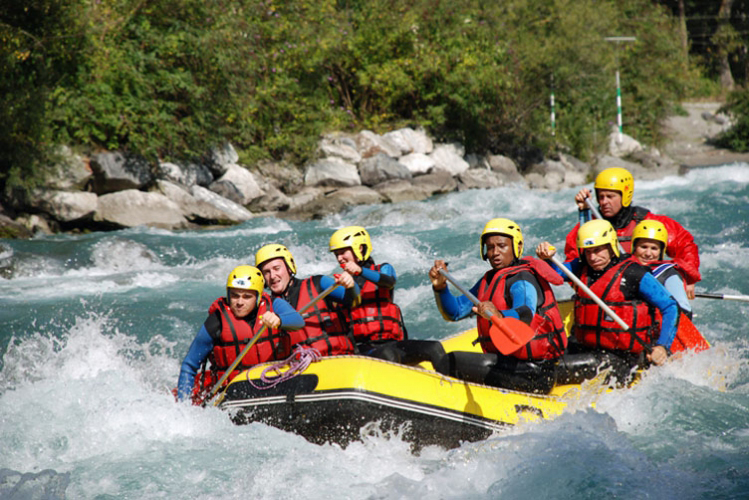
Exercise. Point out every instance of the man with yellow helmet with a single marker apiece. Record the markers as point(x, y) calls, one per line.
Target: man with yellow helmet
point(232, 321)
point(514, 287)
point(325, 327)
point(614, 189)
point(649, 240)
point(376, 320)
point(630, 291)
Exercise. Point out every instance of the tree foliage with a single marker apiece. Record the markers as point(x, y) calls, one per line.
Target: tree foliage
point(168, 79)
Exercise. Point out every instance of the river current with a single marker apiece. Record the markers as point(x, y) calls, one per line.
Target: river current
point(93, 329)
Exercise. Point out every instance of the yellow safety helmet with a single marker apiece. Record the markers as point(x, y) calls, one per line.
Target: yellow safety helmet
point(505, 227)
point(352, 237)
point(246, 278)
point(651, 229)
point(617, 179)
point(274, 251)
point(595, 233)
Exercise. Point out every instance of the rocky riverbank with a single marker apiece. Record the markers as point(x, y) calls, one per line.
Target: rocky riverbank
point(109, 190)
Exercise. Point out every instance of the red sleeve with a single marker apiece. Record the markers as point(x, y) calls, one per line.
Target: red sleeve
point(681, 247)
point(570, 244)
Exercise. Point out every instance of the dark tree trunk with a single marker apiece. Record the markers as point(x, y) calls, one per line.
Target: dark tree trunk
point(723, 42)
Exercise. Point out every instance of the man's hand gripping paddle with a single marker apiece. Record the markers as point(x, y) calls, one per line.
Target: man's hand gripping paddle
point(254, 340)
point(507, 334)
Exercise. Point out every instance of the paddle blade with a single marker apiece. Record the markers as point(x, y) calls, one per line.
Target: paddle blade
point(688, 337)
point(509, 334)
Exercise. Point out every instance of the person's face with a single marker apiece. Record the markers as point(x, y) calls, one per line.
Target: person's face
point(276, 275)
point(344, 255)
point(598, 257)
point(242, 302)
point(610, 202)
point(647, 250)
point(499, 251)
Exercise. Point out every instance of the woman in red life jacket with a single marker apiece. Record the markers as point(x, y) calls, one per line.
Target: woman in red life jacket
point(325, 325)
point(376, 321)
point(233, 320)
point(649, 240)
point(614, 189)
point(514, 287)
point(630, 291)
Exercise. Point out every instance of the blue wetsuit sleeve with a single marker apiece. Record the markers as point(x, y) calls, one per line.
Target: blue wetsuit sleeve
point(201, 347)
point(653, 292)
point(454, 308)
point(573, 265)
point(346, 296)
point(385, 277)
point(290, 318)
point(524, 295)
point(675, 287)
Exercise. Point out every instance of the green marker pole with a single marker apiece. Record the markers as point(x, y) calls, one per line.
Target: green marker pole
point(617, 40)
point(619, 106)
point(553, 114)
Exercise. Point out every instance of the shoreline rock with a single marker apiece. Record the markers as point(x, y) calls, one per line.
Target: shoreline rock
point(113, 191)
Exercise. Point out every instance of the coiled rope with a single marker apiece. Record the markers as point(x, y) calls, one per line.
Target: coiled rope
point(299, 360)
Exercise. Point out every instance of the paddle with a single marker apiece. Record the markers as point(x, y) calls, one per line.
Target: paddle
point(742, 298)
point(257, 336)
point(507, 334)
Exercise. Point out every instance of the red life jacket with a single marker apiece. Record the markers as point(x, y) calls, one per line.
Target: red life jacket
point(625, 234)
point(325, 325)
point(236, 333)
point(550, 340)
point(594, 328)
point(376, 317)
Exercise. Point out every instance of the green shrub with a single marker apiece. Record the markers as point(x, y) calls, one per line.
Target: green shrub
point(737, 107)
point(168, 79)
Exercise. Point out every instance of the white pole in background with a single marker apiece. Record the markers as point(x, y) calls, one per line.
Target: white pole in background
point(553, 114)
point(618, 40)
point(619, 106)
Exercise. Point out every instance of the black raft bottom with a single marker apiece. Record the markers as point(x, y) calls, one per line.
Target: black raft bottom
point(341, 416)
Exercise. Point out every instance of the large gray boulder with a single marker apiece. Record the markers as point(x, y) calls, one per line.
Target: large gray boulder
point(238, 185)
point(548, 174)
point(71, 172)
point(449, 157)
point(286, 177)
point(117, 172)
point(131, 208)
point(340, 146)
point(305, 196)
point(417, 163)
point(478, 178)
point(369, 144)
point(187, 175)
point(438, 182)
point(333, 172)
point(200, 210)
point(410, 141)
point(380, 168)
point(338, 200)
point(620, 147)
point(396, 191)
point(232, 211)
point(66, 206)
point(220, 159)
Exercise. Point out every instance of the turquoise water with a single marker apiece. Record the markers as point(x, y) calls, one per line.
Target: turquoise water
point(93, 329)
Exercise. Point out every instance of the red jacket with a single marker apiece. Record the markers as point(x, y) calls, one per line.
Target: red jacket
point(681, 246)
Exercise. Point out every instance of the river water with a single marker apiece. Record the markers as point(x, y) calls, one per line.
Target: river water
point(93, 329)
